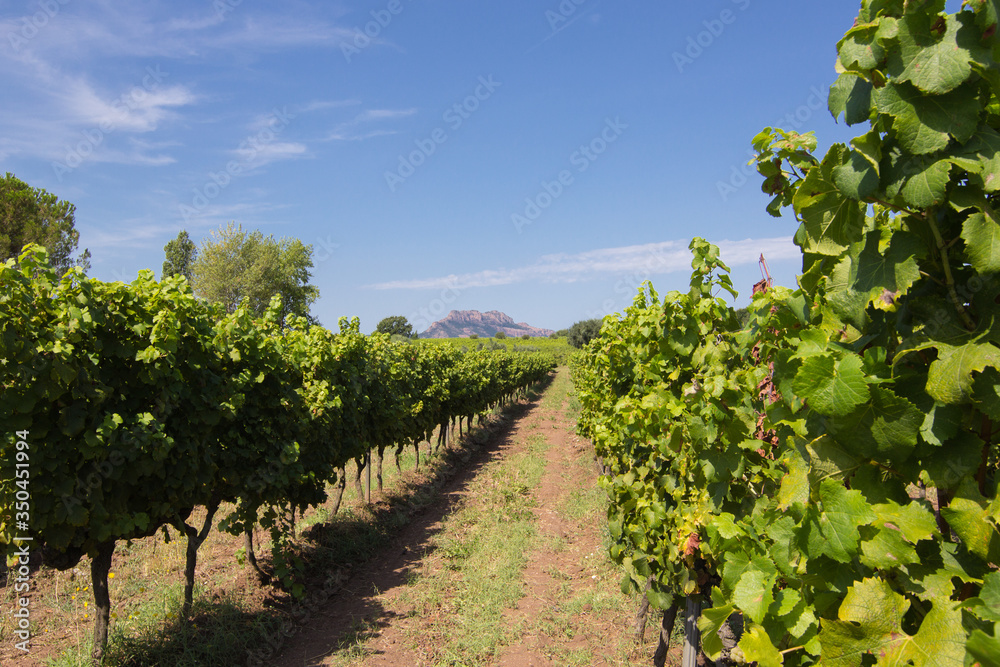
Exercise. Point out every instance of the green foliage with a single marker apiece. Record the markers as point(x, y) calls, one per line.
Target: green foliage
point(832, 463)
point(396, 325)
point(583, 332)
point(234, 265)
point(181, 254)
point(136, 403)
point(32, 215)
point(500, 335)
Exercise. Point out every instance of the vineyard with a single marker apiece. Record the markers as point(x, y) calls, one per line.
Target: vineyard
point(133, 404)
point(812, 482)
point(819, 485)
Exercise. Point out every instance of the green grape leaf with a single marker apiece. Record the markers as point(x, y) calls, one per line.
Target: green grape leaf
point(885, 428)
point(983, 648)
point(989, 598)
point(968, 516)
point(928, 185)
point(784, 548)
point(754, 592)
point(871, 623)
point(831, 220)
point(786, 601)
point(886, 549)
point(981, 234)
point(757, 647)
point(857, 177)
point(939, 64)
point(877, 486)
point(941, 423)
point(986, 393)
point(851, 96)
point(924, 123)
point(980, 156)
point(946, 467)
point(832, 386)
point(987, 13)
point(794, 488)
point(828, 460)
point(859, 49)
point(874, 274)
point(834, 531)
point(913, 521)
point(709, 623)
point(733, 568)
point(949, 379)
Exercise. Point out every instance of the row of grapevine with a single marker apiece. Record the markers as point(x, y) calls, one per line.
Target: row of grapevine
point(138, 402)
point(823, 478)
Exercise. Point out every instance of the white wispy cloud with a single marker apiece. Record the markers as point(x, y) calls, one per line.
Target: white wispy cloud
point(355, 129)
point(135, 110)
point(51, 71)
point(258, 155)
point(651, 258)
point(323, 105)
point(383, 114)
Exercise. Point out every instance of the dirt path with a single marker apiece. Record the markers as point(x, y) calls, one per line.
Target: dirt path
point(569, 611)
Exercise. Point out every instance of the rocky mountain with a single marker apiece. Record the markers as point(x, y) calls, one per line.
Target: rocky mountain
point(464, 323)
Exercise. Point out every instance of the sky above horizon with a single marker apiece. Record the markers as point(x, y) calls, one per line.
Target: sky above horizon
point(538, 158)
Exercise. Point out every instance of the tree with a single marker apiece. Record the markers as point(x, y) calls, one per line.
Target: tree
point(32, 215)
point(396, 325)
point(234, 265)
point(181, 253)
point(583, 332)
point(500, 335)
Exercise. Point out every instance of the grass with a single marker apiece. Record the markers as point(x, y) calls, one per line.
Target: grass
point(475, 570)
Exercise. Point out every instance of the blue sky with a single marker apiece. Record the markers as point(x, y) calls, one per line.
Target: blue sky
point(537, 157)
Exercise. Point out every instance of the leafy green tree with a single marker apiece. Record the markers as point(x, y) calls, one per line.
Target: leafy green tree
point(181, 254)
point(583, 332)
point(500, 335)
point(396, 325)
point(234, 264)
point(32, 215)
point(743, 315)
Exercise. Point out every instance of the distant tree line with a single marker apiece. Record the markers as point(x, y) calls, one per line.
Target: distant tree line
point(232, 265)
